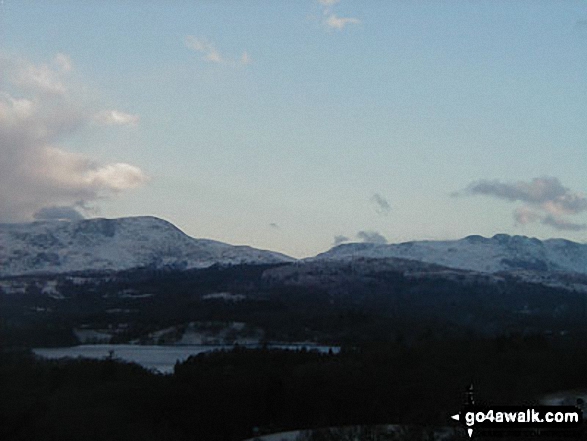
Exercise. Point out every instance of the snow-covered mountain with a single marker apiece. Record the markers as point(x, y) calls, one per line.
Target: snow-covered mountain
point(490, 255)
point(114, 244)
point(53, 247)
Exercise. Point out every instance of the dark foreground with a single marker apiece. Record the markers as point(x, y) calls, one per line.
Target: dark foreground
point(235, 395)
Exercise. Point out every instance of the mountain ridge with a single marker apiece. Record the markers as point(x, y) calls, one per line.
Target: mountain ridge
point(100, 244)
point(114, 244)
point(501, 252)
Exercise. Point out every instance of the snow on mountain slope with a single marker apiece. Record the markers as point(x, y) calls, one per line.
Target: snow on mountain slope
point(499, 253)
point(114, 244)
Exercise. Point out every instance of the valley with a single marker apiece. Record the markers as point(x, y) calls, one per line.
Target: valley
point(361, 339)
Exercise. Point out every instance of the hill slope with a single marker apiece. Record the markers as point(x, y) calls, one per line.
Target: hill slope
point(114, 244)
point(499, 253)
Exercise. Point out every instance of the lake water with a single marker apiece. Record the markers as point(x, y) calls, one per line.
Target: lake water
point(159, 358)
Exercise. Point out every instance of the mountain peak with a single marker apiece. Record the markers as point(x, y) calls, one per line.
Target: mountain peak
point(114, 244)
point(501, 252)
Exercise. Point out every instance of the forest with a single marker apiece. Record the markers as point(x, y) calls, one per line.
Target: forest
point(239, 394)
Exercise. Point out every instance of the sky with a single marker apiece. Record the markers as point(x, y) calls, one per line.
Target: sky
point(296, 126)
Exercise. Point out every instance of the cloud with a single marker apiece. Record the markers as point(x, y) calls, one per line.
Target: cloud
point(340, 239)
point(58, 213)
point(205, 47)
point(382, 206)
point(546, 192)
point(371, 237)
point(525, 215)
point(545, 200)
point(333, 21)
point(115, 117)
point(245, 58)
point(38, 111)
point(211, 54)
point(561, 224)
point(538, 190)
point(44, 78)
point(63, 62)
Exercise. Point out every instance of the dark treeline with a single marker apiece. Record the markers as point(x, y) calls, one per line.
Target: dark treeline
point(232, 395)
point(347, 309)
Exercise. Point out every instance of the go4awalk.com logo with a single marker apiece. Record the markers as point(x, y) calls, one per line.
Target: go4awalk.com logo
point(560, 421)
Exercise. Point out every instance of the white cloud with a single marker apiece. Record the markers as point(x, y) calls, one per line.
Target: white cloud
point(115, 177)
point(545, 200)
point(371, 237)
point(335, 22)
point(211, 54)
point(207, 49)
point(63, 62)
point(525, 215)
point(35, 171)
point(115, 117)
point(38, 79)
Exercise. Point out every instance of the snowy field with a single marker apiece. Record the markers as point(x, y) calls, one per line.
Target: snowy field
point(158, 358)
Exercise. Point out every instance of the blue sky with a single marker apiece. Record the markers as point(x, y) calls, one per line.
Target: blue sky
point(293, 125)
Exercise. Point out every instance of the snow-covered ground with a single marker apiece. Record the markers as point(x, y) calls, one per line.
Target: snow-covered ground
point(281, 436)
point(490, 255)
point(114, 244)
point(133, 242)
point(226, 296)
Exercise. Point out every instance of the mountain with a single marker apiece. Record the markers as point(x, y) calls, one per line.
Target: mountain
point(487, 255)
point(114, 244)
point(51, 247)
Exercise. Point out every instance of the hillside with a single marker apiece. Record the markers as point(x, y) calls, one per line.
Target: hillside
point(53, 247)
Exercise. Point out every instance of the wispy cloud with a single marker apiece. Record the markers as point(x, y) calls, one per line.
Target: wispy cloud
point(526, 215)
point(58, 213)
point(331, 20)
point(39, 109)
point(115, 118)
point(365, 236)
point(209, 52)
point(371, 237)
point(245, 58)
point(45, 78)
point(562, 224)
point(381, 204)
point(63, 61)
point(207, 49)
point(545, 200)
point(340, 239)
point(335, 22)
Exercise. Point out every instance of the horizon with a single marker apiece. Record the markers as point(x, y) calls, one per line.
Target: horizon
point(294, 127)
